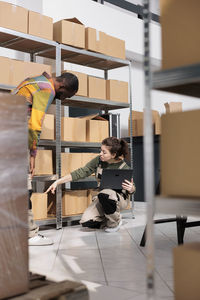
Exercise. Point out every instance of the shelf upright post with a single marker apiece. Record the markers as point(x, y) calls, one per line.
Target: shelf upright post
point(131, 128)
point(148, 154)
point(58, 145)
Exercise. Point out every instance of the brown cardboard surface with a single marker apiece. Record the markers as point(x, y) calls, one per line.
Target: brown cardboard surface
point(186, 271)
point(40, 25)
point(180, 32)
point(96, 130)
point(20, 70)
point(73, 161)
point(82, 78)
point(95, 40)
point(180, 159)
point(138, 126)
point(96, 87)
point(13, 17)
point(69, 32)
point(5, 67)
point(48, 128)
point(115, 47)
point(117, 90)
point(173, 107)
point(74, 202)
point(43, 162)
point(73, 129)
point(13, 196)
point(39, 205)
point(91, 194)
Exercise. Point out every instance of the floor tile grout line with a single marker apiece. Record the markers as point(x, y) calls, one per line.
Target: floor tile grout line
point(104, 272)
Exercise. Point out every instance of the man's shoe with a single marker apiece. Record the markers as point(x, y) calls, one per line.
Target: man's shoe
point(113, 229)
point(39, 240)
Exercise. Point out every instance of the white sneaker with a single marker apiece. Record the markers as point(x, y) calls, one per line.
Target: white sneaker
point(39, 240)
point(113, 229)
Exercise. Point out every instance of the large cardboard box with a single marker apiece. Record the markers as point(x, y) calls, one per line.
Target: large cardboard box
point(5, 70)
point(95, 40)
point(13, 196)
point(97, 128)
point(74, 202)
point(20, 70)
point(13, 17)
point(73, 129)
point(115, 47)
point(43, 162)
point(73, 161)
point(180, 24)
point(82, 78)
point(138, 119)
point(70, 32)
point(117, 90)
point(180, 159)
point(70, 162)
point(48, 128)
point(40, 25)
point(173, 107)
point(186, 271)
point(96, 87)
point(91, 194)
point(39, 205)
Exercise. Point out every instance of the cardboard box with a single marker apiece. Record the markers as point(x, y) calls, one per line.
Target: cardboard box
point(20, 70)
point(173, 107)
point(5, 73)
point(91, 194)
point(13, 195)
point(96, 87)
point(73, 161)
point(82, 78)
point(70, 162)
point(74, 202)
point(48, 128)
point(186, 271)
point(117, 90)
point(97, 128)
point(73, 129)
point(95, 40)
point(70, 32)
point(180, 39)
point(39, 205)
point(13, 17)
point(43, 162)
point(180, 148)
point(115, 47)
point(138, 126)
point(40, 25)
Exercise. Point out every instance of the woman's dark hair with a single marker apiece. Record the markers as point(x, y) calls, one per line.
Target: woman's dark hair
point(116, 146)
point(69, 80)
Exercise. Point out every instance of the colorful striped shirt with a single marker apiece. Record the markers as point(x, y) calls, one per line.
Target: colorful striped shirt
point(39, 92)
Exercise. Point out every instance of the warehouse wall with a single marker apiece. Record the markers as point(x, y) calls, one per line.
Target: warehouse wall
point(123, 25)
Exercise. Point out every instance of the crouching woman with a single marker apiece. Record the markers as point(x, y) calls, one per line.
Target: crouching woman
point(104, 211)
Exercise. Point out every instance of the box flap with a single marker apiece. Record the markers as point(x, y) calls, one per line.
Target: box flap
point(73, 20)
point(93, 117)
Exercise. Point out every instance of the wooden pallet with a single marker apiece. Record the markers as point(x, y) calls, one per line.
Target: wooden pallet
point(42, 289)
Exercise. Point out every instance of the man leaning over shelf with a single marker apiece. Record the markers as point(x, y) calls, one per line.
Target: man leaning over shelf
point(40, 92)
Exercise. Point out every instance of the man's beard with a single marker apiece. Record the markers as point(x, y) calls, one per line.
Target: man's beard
point(58, 95)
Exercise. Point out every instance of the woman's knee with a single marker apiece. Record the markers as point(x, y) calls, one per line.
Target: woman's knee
point(109, 205)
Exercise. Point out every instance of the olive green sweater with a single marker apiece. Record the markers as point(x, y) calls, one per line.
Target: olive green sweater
point(95, 166)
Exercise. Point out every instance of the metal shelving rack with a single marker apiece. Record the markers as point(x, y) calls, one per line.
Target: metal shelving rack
point(36, 46)
point(183, 80)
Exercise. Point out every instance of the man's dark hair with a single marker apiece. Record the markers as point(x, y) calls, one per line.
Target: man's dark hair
point(70, 81)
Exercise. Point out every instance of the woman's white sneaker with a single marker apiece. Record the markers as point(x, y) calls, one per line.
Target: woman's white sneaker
point(113, 229)
point(40, 240)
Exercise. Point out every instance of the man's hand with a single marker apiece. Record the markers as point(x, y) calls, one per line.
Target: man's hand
point(128, 186)
point(52, 188)
point(32, 166)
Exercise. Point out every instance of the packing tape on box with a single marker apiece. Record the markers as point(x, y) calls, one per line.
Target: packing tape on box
point(14, 8)
point(97, 35)
point(73, 33)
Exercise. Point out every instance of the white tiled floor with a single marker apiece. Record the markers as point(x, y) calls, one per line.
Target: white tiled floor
point(112, 265)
